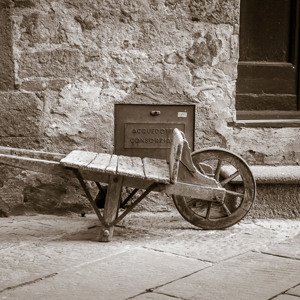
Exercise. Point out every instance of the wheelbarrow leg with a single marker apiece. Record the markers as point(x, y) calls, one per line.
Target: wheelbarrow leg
point(111, 207)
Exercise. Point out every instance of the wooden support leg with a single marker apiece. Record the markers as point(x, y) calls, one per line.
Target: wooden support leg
point(111, 207)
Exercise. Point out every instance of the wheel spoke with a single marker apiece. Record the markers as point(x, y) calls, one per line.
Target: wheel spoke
point(208, 210)
point(192, 202)
point(219, 214)
point(201, 169)
point(231, 177)
point(235, 194)
point(218, 170)
point(226, 209)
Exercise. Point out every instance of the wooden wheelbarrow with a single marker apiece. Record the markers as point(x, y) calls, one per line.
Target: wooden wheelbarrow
point(211, 188)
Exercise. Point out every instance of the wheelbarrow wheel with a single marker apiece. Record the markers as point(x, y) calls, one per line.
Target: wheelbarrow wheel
point(233, 174)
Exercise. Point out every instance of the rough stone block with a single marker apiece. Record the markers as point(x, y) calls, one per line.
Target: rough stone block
point(24, 3)
point(53, 197)
point(37, 142)
point(276, 201)
point(6, 55)
point(56, 63)
point(41, 85)
point(4, 209)
point(215, 12)
point(33, 85)
point(5, 3)
point(37, 28)
point(21, 115)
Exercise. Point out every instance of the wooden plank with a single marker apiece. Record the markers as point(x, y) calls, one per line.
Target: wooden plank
point(259, 69)
point(179, 188)
point(175, 154)
point(156, 169)
point(188, 173)
point(94, 176)
point(266, 114)
point(78, 159)
point(261, 78)
point(112, 166)
point(192, 190)
point(130, 166)
point(268, 123)
point(265, 30)
point(32, 153)
point(111, 206)
point(99, 163)
point(259, 102)
point(36, 165)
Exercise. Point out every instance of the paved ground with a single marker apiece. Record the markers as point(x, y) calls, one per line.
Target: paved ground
point(153, 256)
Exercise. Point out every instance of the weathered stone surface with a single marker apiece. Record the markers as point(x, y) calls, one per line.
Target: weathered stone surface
point(294, 291)
point(7, 72)
point(277, 273)
point(282, 249)
point(216, 11)
point(42, 256)
point(56, 63)
point(140, 273)
point(203, 51)
point(21, 115)
point(6, 4)
point(277, 201)
point(267, 146)
point(23, 142)
point(80, 60)
point(24, 3)
point(4, 208)
point(41, 85)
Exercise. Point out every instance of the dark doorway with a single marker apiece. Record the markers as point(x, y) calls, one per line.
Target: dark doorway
point(268, 70)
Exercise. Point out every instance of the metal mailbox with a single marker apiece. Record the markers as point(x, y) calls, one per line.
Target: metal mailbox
point(146, 130)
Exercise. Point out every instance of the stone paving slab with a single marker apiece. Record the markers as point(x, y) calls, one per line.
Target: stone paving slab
point(117, 277)
point(286, 297)
point(294, 291)
point(38, 250)
point(215, 246)
point(284, 248)
point(154, 296)
point(245, 277)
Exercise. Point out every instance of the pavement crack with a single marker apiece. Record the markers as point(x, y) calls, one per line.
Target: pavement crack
point(151, 291)
point(180, 255)
point(171, 296)
point(28, 282)
point(182, 277)
point(278, 255)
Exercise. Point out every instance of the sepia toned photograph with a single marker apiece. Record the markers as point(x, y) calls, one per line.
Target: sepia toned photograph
point(150, 149)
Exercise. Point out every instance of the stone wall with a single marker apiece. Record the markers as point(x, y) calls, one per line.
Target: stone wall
point(73, 60)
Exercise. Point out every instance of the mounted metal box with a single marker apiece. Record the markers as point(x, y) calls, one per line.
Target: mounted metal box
point(146, 130)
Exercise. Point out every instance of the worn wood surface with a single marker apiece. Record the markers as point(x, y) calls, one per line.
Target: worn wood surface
point(175, 154)
point(188, 173)
point(111, 206)
point(148, 168)
point(112, 166)
point(78, 159)
point(268, 115)
point(34, 164)
point(193, 190)
point(131, 166)
point(32, 153)
point(156, 169)
point(100, 163)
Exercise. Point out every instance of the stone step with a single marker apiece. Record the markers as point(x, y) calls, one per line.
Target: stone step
point(270, 174)
point(276, 174)
point(278, 191)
